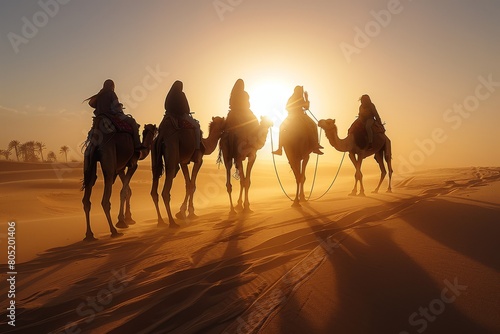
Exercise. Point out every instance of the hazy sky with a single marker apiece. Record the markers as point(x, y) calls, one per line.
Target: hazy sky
point(432, 68)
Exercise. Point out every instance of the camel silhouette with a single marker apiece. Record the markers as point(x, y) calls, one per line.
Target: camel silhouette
point(381, 148)
point(242, 140)
point(298, 147)
point(115, 151)
point(176, 146)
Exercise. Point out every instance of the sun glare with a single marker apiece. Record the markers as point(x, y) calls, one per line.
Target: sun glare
point(269, 99)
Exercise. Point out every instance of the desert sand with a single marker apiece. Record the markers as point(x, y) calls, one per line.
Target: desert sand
point(424, 258)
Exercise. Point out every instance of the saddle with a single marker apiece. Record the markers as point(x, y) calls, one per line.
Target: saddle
point(119, 122)
point(179, 123)
point(358, 130)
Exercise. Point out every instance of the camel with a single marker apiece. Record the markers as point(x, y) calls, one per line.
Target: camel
point(381, 148)
point(115, 151)
point(236, 144)
point(174, 147)
point(297, 149)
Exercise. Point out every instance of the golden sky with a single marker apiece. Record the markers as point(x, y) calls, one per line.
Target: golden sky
point(431, 68)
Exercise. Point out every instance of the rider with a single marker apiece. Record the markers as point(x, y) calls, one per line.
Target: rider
point(368, 115)
point(239, 107)
point(296, 106)
point(176, 104)
point(106, 103)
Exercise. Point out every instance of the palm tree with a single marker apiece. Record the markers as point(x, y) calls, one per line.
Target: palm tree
point(51, 157)
point(40, 146)
point(64, 150)
point(14, 144)
point(27, 150)
point(5, 153)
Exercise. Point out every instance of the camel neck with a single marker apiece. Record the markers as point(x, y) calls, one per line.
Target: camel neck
point(342, 145)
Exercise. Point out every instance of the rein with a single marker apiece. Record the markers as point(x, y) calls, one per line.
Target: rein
point(315, 170)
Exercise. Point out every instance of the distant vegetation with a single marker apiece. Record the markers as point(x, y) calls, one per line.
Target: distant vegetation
point(31, 151)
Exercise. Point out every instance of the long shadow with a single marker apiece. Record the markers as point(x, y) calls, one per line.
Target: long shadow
point(467, 229)
point(56, 315)
point(202, 298)
point(378, 286)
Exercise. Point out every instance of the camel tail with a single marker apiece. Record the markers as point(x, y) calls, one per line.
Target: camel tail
point(388, 150)
point(156, 158)
point(219, 157)
point(89, 167)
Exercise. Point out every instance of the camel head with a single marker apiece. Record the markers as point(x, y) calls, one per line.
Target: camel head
point(148, 134)
point(217, 125)
point(265, 122)
point(327, 124)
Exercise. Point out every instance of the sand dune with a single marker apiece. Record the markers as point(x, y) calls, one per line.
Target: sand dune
point(339, 264)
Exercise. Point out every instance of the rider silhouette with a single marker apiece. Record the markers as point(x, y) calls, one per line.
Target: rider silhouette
point(105, 102)
point(368, 115)
point(239, 108)
point(296, 106)
point(176, 104)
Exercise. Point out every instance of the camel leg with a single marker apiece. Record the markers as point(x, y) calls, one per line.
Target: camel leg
point(128, 214)
point(229, 186)
point(89, 235)
point(388, 159)
point(169, 178)
point(354, 191)
point(360, 178)
point(248, 181)
point(295, 165)
point(106, 203)
point(380, 160)
point(303, 179)
point(89, 178)
point(194, 175)
point(187, 181)
point(239, 166)
point(156, 169)
point(155, 197)
point(125, 194)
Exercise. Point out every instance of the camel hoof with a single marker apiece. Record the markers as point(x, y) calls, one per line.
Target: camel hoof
point(389, 191)
point(161, 224)
point(232, 213)
point(116, 234)
point(180, 215)
point(192, 215)
point(352, 194)
point(239, 207)
point(247, 210)
point(121, 224)
point(375, 192)
point(296, 204)
point(130, 221)
point(361, 195)
point(174, 225)
point(89, 238)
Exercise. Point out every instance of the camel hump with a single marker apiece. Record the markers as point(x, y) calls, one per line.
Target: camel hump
point(241, 121)
point(358, 130)
point(108, 123)
point(179, 122)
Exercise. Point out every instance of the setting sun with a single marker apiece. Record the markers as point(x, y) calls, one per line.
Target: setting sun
point(269, 98)
point(233, 166)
